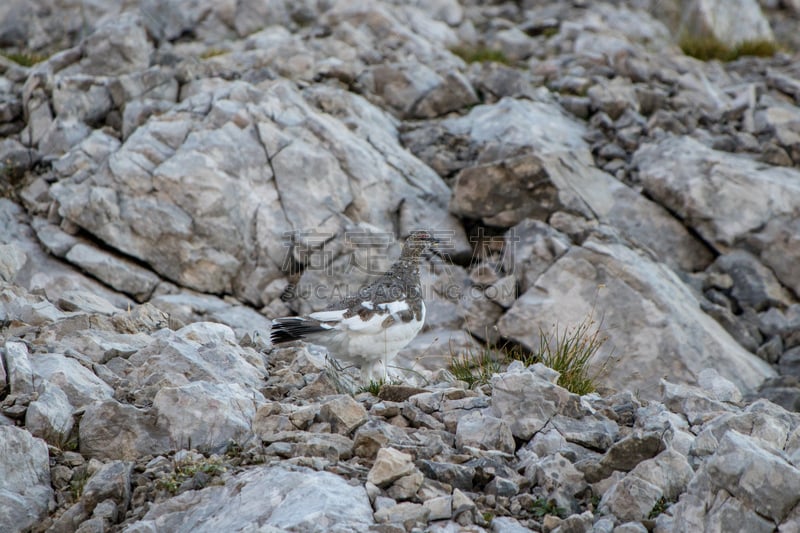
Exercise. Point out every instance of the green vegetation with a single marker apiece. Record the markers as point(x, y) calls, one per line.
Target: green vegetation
point(660, 506)
point(26, 59)
point(480, 54)
point(186, 471)
point(709, 47)
point(569, 354)
point(213, 52)
point(476, 369)
point(78, 482)
point(542, 507)
point(374, 387)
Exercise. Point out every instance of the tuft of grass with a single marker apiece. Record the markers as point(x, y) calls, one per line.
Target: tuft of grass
point(480, 54)
point(26, 59)
point(213, 52)
point(78, 483)
point(757, 47)
point(709, 47)
point(569, 352)
point(186, 471)
point(542, 507)
point(373, 387)
point(660, 506)
point(475, 369)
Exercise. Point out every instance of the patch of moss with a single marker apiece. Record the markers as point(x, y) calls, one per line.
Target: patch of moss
point(757, 47)
point(708, 47)
point(480, 54)
point(660, 506)
point(542, 507)
point(213, 52)
point(26, 59)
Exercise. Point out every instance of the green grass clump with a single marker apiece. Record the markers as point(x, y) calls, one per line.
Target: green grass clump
point(660, 506)
point(475, 368)
point(373, 387)
point(26, 59)
point(569, 353)
point(213, 52)
point(480, 54)
point(186, 471)
point(709, 47)
point(542, 507)
point(757, 47)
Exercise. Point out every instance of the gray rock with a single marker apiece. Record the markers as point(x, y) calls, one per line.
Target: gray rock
point(529, 402)
point(18, 304)
point(407, 514)
point(505, 176)
point(455, 475)
point(12, 259)
point(629, 452)
point(754, 285)
point(111, 482)
point(670, 471)
point(390, 465)
point(613, 97)
point(50, 416)
point(694, 403)
point(86, 302)
point(406, 487)
point(759, 210)
point(569, 289)
point(484, 432)
point(440, 508)
point(562, 482)
point(631, 498)
point(721, 388)
point(789, 363)
point(506, 524)
point(207, 416)
point(117, 47)
point(593, 432)
point(121, 274)
point(730, 23)
point(630, 527)
point(759, 477)
point(343, 413)
point(80, 384)
point(531, 247)
point(18, 368)
point(112, 430)
point(81, 98)
point(506, 192)
point(274, 145)
point(203, 351)
point(273, 497)
point(25, 492)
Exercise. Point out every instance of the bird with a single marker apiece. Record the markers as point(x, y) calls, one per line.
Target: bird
point(371, 327)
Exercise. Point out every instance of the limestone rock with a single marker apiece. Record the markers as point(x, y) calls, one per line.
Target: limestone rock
point(25, 491)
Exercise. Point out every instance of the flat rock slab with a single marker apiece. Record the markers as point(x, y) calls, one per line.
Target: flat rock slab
point(273, 497)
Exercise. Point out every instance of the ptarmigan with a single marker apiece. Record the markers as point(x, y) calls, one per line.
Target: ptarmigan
point(370, 328)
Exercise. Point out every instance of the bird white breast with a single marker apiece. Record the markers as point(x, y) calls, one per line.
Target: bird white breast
point(360, 342)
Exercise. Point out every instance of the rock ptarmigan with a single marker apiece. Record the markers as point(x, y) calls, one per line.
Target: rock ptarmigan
point(370, 328)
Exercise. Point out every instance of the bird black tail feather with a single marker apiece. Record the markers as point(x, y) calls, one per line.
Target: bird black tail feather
point(293, 329)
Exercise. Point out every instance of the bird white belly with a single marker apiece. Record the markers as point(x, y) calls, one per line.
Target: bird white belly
point(386, 343)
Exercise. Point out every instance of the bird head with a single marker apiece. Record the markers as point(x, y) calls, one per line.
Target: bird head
point(419, 241)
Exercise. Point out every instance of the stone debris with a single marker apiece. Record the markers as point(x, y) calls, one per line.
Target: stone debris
point(173, 176)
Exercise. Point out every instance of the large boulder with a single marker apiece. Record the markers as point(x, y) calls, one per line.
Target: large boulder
point(25, 492)
point(654, 323)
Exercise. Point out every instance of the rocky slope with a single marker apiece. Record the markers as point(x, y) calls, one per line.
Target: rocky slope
point(174, 175)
